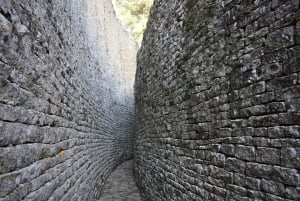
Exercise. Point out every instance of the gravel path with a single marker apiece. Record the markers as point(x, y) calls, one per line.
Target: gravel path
point(120, 185)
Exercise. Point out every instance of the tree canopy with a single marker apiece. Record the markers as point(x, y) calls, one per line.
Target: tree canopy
point(134, 16)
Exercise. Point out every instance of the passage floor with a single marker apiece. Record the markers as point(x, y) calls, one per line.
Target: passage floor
point(120, 185)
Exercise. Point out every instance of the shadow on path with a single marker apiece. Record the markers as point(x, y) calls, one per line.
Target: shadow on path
point(120, 185)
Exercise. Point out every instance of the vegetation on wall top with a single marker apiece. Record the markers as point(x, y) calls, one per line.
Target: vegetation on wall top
point(133, 14)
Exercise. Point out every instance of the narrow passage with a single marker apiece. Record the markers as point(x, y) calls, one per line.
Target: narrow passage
point(120, 185)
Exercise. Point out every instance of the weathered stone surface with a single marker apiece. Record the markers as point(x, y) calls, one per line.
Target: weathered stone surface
point(66, 98)
point(217, 101)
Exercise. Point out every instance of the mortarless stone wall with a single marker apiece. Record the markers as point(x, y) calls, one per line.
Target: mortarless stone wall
point(66, 98)
point(218, 101)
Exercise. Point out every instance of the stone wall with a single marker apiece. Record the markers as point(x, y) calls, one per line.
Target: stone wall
point(66, 98)
point(218, 101)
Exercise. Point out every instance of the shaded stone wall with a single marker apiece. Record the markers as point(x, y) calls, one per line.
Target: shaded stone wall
point(218, 101)
point(66, 98)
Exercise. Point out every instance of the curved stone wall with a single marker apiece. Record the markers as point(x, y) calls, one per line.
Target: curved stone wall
point(66, 98)
point(217, 101)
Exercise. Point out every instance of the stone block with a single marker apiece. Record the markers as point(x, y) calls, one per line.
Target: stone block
point(290, 157)
point(235, 165)
point(272, 187)
point(286, 176)
point(245, 152)
point(281, 38)
point(228, 149)
point(268, 155)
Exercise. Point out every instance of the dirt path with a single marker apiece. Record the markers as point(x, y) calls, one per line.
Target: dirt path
point(120, 185)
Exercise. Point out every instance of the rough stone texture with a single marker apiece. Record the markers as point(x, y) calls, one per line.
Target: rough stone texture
point(66, 98)
point(217, 101)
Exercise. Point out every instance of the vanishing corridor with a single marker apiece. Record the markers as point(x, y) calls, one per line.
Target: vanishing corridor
point(208, 108)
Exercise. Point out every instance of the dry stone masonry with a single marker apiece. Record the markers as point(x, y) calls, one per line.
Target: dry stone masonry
point(218, 101)
point(66, 98)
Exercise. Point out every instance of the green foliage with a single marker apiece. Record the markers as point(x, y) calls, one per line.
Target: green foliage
point(133, 15)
